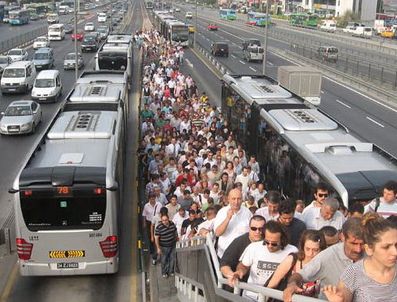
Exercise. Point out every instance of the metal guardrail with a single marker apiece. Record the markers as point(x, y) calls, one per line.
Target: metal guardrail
point(23, 39)
point(206, 243)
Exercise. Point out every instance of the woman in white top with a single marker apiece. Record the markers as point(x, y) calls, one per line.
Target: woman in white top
point(373, 278)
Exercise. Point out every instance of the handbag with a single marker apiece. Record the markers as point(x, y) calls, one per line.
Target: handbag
point(284, 281)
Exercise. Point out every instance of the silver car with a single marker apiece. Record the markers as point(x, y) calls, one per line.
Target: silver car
point(18, 54)
point(21, 117)
point(4, 62)
point(70, 61)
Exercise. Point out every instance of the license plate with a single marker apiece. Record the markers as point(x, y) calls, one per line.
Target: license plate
point(67, 265)
point(42, 99)
point(12, 89)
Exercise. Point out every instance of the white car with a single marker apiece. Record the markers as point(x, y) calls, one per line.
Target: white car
point(89, 26)
point(177, 9)
point(18, 54)
point(189, 15)
point(21, 117)
point(41, 42)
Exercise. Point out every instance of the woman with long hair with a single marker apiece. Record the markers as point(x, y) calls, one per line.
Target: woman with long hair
point(373, 278)
point(311, 243)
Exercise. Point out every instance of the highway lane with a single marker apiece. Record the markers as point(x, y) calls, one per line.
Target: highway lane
point(98, 288)
point(353, 54)
point(15, 148)
point(365, 116)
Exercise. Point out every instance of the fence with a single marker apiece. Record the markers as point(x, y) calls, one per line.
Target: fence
point(197, 263)
point(22, 39)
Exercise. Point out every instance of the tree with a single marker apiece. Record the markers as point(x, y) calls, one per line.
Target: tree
point(349, 16)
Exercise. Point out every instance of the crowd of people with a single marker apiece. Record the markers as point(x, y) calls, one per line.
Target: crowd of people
point(201, 181)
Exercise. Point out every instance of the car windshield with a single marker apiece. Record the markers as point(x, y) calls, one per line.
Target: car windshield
point(70, 56)
point(44, 83)
point(15, 52)
point(41, 39)
point(14, 73)
point(40, 56)
point(102, 30)
point(332, 50)
point(18, 111)
point(3, 60)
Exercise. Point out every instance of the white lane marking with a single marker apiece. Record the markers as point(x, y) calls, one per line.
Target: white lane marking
point(322, 91)
point(375, 122)
point(343, 104)
point(362, 94)
point(270, 63)
point(233, 56)
point(253, 69)
point(189, 63)
point(242, 62)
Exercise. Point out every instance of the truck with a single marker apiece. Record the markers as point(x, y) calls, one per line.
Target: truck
point(302, 81)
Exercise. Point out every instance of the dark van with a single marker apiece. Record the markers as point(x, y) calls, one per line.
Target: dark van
point(220, 49)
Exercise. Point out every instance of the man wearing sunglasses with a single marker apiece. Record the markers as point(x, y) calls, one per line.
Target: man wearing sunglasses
point(262, 258)
point(232, 254)
point(321, 192)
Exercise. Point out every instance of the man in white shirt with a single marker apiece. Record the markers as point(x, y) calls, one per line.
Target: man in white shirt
point(172, 149)
point(315, 218)
point(150, 209)
point(387, 204)
point(270, 212)
point(254, 165)
point(244, 179)
point(179, 218)
point(259, 192)
point(231, 221)
point(262, 258)
point(320, 194)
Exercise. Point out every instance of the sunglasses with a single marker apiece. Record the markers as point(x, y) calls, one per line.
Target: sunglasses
point(322, 195)
point(254, 229)
point(274, 244)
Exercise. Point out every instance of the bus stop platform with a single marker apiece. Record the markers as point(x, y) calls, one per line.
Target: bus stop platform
point(161, 289)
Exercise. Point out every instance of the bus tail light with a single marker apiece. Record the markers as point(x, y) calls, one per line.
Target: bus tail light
point(24, 249)
point(109, 246)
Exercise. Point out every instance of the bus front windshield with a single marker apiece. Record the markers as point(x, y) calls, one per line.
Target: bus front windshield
point(180, 33)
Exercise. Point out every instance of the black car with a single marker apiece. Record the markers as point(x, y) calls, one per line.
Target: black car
point(68, 28)
point(220, 49)
point(90, 43)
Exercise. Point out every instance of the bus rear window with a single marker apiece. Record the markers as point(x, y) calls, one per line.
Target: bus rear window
point(63, 213)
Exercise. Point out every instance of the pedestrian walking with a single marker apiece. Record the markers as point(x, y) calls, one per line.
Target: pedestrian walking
point(166, 237)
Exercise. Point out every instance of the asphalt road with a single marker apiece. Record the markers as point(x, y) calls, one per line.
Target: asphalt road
point(118, 287)
point(355, 55)
point(368, 118)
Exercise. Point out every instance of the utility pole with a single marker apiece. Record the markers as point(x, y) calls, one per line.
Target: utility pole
point(265, 42)
point(76, 53)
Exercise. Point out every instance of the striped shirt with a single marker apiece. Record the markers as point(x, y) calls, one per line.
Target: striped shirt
point(167, 234)
point(365, 289)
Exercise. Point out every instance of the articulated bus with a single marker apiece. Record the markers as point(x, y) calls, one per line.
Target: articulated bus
point(258, 19)
point(19, 17)
point(7, 10)
point(304, 20)
point(177, 32)
point(115, 54)
point(68, 194)
point(298, 145)
point(227, 14)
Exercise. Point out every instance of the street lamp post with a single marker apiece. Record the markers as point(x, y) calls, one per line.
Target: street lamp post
point(195, 28)
point(265, 42)
point(76, 62)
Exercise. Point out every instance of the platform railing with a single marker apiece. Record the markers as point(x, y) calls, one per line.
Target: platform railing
point(198, 268)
